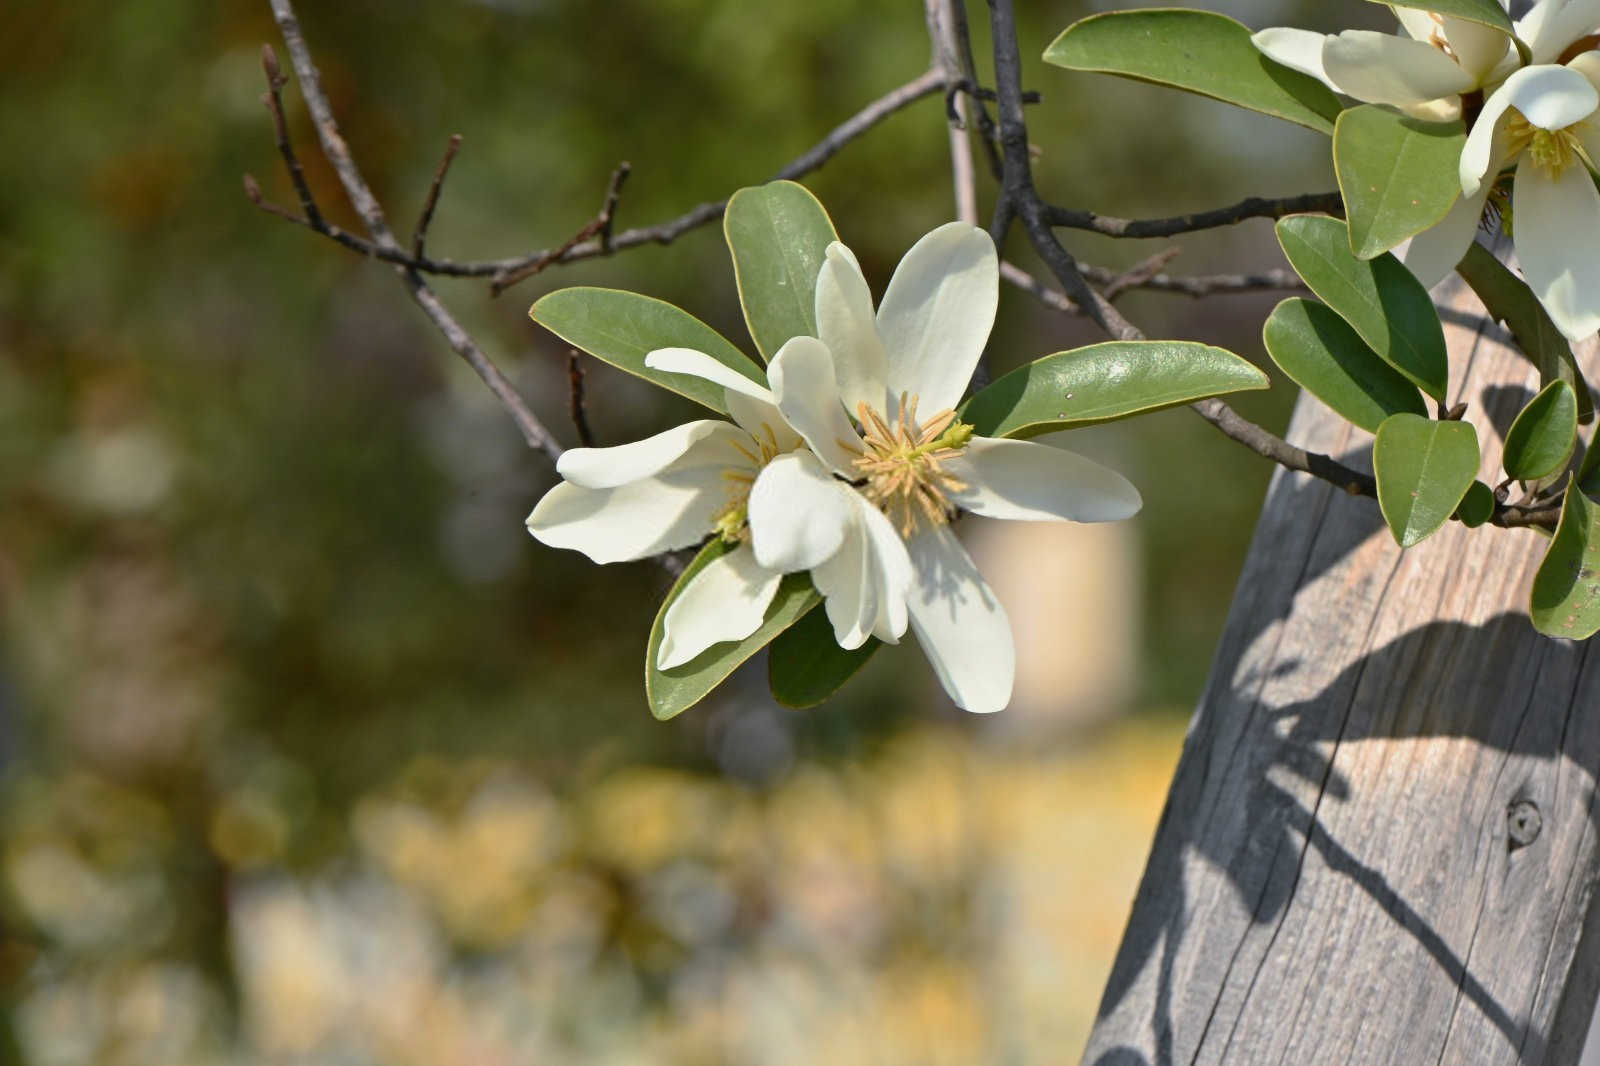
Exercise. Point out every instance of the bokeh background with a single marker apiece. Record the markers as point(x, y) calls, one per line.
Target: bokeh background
point(309, 754)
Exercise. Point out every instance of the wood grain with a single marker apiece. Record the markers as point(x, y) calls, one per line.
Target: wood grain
point(1380, 845)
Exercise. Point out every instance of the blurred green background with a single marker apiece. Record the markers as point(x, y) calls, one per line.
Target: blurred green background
point(309, 753)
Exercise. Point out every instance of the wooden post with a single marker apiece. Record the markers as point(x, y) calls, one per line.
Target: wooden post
point(1380, 845)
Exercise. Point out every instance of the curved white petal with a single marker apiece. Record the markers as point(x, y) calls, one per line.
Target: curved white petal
point(709, 442)
point(847, 325)
point(1296, 49)
point(1550, 97)
point(1562, 27)
point(1558, 245)
point(1587, 64)
point(892, 571)
point(1479, 49)
point(849, 590)
point(630, 521)
point(807, 394)
point(961, 626)
point(798, 513)
point(1531, 27)
point(1434, 252)
point(937, 313)
point(1027, 481)
point(763, 421)
point(1379, 68)
point(1484, 152)
point(1418, 24)
point(700, 365)
point(725, 601)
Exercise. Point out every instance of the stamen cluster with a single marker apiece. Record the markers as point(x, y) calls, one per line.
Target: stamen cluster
point(732, 523)
point(903, 463)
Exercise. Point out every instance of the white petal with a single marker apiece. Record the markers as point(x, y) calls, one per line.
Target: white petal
point(763, 421)
point(798, 513)
point(1478, 48)
point(1558, 244)
point(807, 394)
point(1484, 153)
point(1418, 24)
point(845, 323)
point(630, 521)
point(1379, 68)
point(710, 442)
point(1296, 49)
point(1028, 481)
point(1587, 64)
point(1434, 252)
point(700, 365)
point(849, 591)
point(1532, 25)
point(937, 313)
point(892, 571)
point(961, 626)
point(726, 601)
point(1550, 97)
point(1562, 27)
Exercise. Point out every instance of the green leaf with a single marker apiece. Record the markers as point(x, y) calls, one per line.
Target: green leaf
point(1588, 479)
point(778, 234)
point(1566, 590)
point(1424, 469)
point(1199, 51)
point(1383, 300)
point(1324, 356)
point(1104, 382)
point(623, 327)
point(806, 665)
point(1477, 506)
point(1541, 440)
point(671, 692)
point(1397, 174)
point(1509, 300)
point(1488, 12)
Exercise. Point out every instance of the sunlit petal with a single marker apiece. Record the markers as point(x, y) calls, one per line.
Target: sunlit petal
point(1027, 481)
point(631, 521)
point(700, 365)
point(799, 513)
point(847, 325)
point(1478, 48)
point(850, 595)
point(936, 315)
point(1296, 49)
point(807, 394)
point(891, 571)
point(1557, 235)
point(727, 600)
point(1380, 68)
point(1562, 27)
point(962, 628)
point(710, 442)
point(1484, 152)
point(1434, 252)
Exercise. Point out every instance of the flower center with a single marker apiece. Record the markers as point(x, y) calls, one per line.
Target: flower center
point(903, 464)
point(732, 523)
point(1552, 151)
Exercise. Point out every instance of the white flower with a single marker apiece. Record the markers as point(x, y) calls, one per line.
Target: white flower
point(901, 371)
point(669, 491)
point(1424, 73)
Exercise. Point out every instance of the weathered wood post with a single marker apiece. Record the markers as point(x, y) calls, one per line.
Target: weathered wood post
point(1380, 845)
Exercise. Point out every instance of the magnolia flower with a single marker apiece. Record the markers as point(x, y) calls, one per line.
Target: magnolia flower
point(1423, 74)
point(669, 491)
point(1543, 120)
point(900, 373)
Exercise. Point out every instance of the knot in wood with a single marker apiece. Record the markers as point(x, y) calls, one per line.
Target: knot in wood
point(1523, 823)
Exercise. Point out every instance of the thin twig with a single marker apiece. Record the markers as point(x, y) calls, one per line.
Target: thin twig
point(946, 58)
point(1253, 207)
point(337, 152)
point(599, 226)
point(421, 235)
point(1197, 285)
point(1140, 273)
point(575, 404)
point(273, 98)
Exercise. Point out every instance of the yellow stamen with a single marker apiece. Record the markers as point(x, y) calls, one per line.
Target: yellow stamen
point(903, 463)
point(732, 523)
point(1552, 151)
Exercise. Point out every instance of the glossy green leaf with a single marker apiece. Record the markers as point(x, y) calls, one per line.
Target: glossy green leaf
point(1509, 300)
point(1588, 479)
point(1488, 12)
point(1397, 174)
point(671, 692)
point(1477, 506)
point(806, 665)
point(623, 327)
point(1199, 51)
point(1383, 300)
point(778, 234)
point(1424, 469)
point(1324, 356)
point(1566, 590)
point(1541, 440)
point(1104, 382)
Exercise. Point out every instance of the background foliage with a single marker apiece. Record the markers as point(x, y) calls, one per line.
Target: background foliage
point(308, 750)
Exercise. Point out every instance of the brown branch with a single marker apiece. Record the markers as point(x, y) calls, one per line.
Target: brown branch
point(273, 98)
point(575, 405)
point(1253, 207)
point(1197, 285)
point(1140, 273)
point(599, 226)
point(337, 152)
point(432, 201)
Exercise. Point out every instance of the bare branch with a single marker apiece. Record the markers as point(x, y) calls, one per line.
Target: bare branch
point(1140, 273)
point(946, 58)
point(273, 98)
point(1253, 207)
point(599, 227)
point(1197, 285)
point(575, 405)
point(432, 201)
